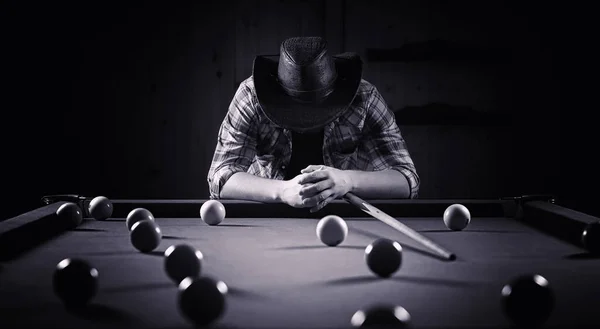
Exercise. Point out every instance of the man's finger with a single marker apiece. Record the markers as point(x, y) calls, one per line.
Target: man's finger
point(310, 168)
point(313, 168)
point(314, 177)
point(312, 189)
point(322, 204)
point(315, 200)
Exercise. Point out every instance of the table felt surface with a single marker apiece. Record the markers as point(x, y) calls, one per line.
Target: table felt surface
point(281, 276)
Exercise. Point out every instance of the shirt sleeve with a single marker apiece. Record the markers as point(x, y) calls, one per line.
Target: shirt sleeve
point(236, 141)
point(388, 148)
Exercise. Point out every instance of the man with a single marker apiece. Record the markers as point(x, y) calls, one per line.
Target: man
point(306, 129)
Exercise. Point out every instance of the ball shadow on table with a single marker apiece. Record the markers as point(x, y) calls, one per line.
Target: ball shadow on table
point(237, 225)
point(116, 220)
point(307, 247)
point(140, 287)
point(128, 252)
point(220, 326)
point(173, 237)
point(159, 253)
point(101, 313)
point(237, 292)
point(365, 279)
point(353, 280)
point(467, 230)
point(580, 256)
point(85, 229)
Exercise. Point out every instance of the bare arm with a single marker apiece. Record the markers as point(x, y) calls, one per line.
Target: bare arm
point(384, 184)
point(245, 186)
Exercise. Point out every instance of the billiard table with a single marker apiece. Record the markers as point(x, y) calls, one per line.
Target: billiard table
point(279, 275)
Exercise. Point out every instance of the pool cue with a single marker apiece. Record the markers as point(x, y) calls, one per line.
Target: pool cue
point(387, 219)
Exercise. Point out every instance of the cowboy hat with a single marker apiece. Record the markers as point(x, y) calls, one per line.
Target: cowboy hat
point(304, 88)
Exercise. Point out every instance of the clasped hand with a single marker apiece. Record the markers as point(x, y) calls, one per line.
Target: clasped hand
point(315, 187)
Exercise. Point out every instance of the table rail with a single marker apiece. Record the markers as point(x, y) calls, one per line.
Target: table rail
point(251, 209)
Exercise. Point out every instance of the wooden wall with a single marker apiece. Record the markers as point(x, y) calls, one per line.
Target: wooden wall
point(131, 97)
point(493, 66)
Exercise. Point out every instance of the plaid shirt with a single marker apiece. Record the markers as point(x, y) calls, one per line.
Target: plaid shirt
point(365, 138)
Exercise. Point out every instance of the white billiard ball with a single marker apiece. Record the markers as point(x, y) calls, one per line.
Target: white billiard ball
point(100, 208)
point(212, 212)
point(332, 230)
point(457, 217)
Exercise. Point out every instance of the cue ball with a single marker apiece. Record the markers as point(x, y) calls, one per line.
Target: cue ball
point(75, 282)
point(136, 215)
point(70, 214)
point(457, 217)
point(383, 257)
point(332, 230)
point(212, 212)
point(590, 238)
point(202, 300)
point(528, 300)
point(182, 261)
point(381, 316)
point(100, 208)
point(145, 235)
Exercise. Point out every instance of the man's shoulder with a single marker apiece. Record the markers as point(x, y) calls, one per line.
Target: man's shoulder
point(365, 87)
point(364, 93)
point(245, 94)
point(247, 84)
point(245, 101)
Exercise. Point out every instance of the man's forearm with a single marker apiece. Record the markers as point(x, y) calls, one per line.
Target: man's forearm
point(245, 186)
point(379, 184)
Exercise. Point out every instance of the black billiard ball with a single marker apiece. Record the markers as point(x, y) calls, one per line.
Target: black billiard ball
point(381, 316)
point(75, 282)
point(145, 235)
point(383, 257)
point(136, 215)
point(528, 300)
point(590, 238)
point(69, 215)
point(182, 261)
point(202, 300)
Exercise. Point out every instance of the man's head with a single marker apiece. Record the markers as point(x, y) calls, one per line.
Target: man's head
point(304, 87)
point(306, 71)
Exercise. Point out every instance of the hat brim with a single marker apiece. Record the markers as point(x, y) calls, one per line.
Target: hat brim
point(287, 113)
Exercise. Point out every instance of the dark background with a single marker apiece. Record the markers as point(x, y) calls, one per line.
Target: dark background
point(124, 100)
